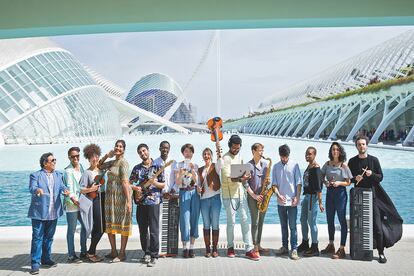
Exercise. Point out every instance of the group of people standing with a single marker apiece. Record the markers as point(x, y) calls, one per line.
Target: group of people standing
point(100, 198)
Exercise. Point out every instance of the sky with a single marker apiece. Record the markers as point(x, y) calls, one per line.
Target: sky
point(254, 63)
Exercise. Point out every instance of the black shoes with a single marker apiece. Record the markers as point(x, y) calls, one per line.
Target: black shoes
point(191, 253)
point(303, 246)
point(312, 251)
point(382, 259)
point(49, 264)
point(152, 262)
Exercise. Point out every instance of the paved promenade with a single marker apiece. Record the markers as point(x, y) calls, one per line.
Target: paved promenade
point(15, 259)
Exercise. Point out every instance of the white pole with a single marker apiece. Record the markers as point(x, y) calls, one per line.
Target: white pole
point(218, 75)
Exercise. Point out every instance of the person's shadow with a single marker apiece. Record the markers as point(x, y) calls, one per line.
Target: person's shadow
point(21, 262)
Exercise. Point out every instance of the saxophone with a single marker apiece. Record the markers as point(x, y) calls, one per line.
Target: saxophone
point(266, 192)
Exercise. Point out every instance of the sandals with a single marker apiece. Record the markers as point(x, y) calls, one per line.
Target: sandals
point(120, 258)
point(111, 256)
point(94, 258)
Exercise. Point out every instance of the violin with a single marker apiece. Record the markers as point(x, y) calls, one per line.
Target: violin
point(214, 125)
point(98, 180)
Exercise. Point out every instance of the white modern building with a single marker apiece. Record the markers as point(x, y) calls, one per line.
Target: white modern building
point(333, 104)
point(161, 95)
point(47, 96)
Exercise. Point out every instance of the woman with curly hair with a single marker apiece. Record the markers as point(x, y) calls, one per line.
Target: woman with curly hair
point(118, 205)
point(90, 187)
point(336, 175)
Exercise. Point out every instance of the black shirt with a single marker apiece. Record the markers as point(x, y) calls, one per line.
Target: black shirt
point(357, 165)
point(312, 181)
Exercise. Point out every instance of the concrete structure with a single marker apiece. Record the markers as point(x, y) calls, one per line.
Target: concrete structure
point(302, 111)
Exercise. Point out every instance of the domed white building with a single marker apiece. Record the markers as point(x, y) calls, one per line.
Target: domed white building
point(158, 93)
point(47, 96)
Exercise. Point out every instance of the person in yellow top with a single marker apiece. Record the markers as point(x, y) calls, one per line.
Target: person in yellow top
point(235, 200)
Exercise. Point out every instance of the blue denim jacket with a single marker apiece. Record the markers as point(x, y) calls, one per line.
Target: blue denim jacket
point(39, 206)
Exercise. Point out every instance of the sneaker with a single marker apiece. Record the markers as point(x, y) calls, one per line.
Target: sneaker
point(83, 256)
point(303, 246)
point(329, 249)
point(146, 259)
point(252, 255)
point(49, 264)
point(151, 263)
point(282, 251)
point(191, 253)
point(34, 271)
point(340, 254)
point(294, 255)
point(230, 252)
point(312, 251)
point(185, 253)
point(382, 259)
point(74, 260)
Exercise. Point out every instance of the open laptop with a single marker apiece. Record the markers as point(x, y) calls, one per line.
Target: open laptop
point(237, 170)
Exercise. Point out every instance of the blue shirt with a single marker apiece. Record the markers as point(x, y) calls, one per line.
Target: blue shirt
point(286, 177)
point(140, 174)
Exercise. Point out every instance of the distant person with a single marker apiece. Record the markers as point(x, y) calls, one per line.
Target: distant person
point(118, 200)
point(385, 215)
point(71, 176)
point(95, 192)
point(312, 201)
point(337, 177)
point(186, 179)
point(258, 171)
point(209, 186)
point(148, 207)
point(235, 199)
point(287, 182)
point(46, 187)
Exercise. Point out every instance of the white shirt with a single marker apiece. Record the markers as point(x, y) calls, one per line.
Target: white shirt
point(51, 184)
point(169, 175)
point(207, 191)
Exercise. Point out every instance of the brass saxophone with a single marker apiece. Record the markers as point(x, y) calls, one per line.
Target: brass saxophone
point(266, 192)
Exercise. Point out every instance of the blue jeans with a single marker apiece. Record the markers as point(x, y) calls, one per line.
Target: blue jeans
point(72, 219)
point(210, 211)
point(189, 214)
point(308, 217)
point(288, 215)
point(42, 239)
point(336, 199)
point(229, 203)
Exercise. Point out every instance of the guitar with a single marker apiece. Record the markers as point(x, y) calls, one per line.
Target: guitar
point(139, 196)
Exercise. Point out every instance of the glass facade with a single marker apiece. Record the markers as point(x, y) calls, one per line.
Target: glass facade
point(158, 93)
point(48, 98)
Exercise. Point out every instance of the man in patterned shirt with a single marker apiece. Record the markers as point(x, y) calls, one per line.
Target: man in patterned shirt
point(148, 207)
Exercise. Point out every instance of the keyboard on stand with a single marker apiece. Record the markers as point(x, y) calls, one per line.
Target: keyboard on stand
point(361, 232)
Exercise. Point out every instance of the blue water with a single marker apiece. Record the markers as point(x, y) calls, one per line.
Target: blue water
point(15, 198)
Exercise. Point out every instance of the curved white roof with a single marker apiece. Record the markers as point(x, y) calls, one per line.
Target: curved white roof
point(106, 84)
point(155, 81)
point(13, 50)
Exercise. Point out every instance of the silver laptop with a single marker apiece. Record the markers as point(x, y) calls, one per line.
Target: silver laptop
point(237, 170)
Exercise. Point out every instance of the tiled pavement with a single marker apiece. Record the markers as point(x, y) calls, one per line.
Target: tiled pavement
point(15, 260)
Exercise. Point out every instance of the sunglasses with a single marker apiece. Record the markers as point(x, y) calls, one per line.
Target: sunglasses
point(53, 160)
point(75, 156)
